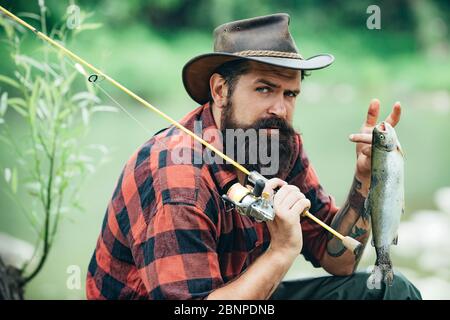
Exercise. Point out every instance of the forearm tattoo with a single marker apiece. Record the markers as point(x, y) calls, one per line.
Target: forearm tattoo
point(356, 199)
point(351, 220)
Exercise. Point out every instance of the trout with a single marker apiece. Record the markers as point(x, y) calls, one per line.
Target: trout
point(385, 203)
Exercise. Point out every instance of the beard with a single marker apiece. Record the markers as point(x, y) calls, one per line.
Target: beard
point(274, 140)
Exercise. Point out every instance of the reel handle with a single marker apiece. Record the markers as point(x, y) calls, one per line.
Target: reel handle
point(259, 187)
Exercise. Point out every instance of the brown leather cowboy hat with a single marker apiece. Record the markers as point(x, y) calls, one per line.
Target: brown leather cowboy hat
point(263, 39)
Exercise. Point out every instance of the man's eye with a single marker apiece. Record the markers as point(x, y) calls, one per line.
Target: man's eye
point(291, 94)
point(263, 89)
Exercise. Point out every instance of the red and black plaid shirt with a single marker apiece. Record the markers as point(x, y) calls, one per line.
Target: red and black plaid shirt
point(167, 234)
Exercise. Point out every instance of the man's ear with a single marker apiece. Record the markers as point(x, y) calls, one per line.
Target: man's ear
point(219, 90)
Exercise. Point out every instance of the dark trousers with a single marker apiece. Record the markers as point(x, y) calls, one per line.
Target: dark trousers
point(354, 287)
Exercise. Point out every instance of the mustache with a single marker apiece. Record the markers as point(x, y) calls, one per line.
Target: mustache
point(274, 123)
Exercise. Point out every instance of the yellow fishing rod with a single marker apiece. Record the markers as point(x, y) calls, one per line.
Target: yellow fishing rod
point(250, 202)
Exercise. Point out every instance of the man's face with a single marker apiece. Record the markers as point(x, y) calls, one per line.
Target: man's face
point(265, 92)
point(263, 98)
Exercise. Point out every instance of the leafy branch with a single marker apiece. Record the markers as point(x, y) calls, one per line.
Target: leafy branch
point(50, 162)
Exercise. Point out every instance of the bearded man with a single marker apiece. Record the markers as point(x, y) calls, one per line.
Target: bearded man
point(167, 232)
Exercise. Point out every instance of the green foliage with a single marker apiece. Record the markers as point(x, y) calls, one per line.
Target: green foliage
point(403, 15)
point(50, 163)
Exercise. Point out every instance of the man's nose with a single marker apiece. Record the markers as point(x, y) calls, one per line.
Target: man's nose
point(278, 108)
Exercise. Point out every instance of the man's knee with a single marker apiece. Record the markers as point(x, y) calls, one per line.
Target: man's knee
point(400, 289)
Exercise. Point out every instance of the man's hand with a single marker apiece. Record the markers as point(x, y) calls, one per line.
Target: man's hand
point(285, 230)
point(262, 277)
point(364, 138)
point(351, 220)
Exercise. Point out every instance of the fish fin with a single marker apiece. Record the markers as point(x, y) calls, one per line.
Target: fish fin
point(399, 149)
point(381, 272)
point(395, 240)
point(388, 276)
point(384, 265)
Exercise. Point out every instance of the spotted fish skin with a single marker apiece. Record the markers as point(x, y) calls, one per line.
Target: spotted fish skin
point(385, 203)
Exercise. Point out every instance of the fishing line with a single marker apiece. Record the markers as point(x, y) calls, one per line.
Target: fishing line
point(159, 143)
point(117, 103)
point(122, 108)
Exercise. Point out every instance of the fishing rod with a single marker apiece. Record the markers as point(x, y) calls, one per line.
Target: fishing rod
point(249, 201)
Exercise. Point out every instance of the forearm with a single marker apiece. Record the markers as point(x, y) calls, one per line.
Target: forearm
point(352, 221)
point(260, 280)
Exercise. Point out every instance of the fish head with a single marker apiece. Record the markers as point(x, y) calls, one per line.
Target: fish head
point(384, 137)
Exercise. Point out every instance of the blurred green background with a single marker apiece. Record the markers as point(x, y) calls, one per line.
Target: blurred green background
point(144, 45)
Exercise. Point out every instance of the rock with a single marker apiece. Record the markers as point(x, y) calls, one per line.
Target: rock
point(15, 252)
point(442, 198)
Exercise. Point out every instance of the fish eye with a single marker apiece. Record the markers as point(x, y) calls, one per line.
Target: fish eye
point(381, 137)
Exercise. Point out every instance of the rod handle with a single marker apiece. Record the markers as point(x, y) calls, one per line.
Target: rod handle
point(352, 244)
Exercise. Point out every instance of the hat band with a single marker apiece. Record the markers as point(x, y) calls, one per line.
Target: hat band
point(268, 53)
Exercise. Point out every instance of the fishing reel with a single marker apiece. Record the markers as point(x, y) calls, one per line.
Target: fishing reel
point(250, 200)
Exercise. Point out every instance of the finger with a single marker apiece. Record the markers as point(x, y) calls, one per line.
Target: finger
point(281, 194)
point(286, 191)
point(361, 137)
point(367, 151)
point(272, 184)
point(300, 206)
point(372, 113)
point(394, 116)
point(290, 200)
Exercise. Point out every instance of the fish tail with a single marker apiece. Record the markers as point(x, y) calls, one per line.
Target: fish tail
point(384, 265)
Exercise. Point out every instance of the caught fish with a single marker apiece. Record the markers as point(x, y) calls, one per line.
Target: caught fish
point(385, 203)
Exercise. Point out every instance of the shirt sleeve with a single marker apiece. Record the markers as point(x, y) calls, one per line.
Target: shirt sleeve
point(323, 207)
point(178, 257)
point(173, 232)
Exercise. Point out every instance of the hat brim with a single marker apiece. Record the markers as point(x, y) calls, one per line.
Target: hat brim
point(197, 72)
